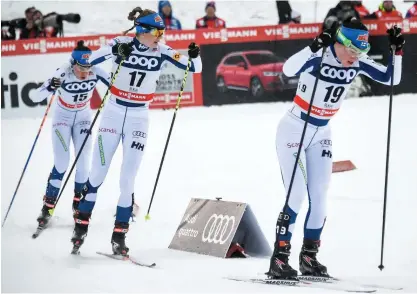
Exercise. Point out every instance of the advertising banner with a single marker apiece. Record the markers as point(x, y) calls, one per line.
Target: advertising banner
point(240, 65)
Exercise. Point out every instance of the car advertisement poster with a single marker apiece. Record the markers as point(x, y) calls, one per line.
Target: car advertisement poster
point(247, 72)
point(250, 72)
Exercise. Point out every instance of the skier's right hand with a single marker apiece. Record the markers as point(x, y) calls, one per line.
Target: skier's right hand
point(122, 49)
point(325, 39)
point(54, 84)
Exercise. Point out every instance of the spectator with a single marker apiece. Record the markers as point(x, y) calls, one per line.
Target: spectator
point(165, 10)
point(210, 20)
point(22, 24)
point(284, 11)
point(360, 9)
point(387, 11)
point(412, 12)
point(32, 28)
point(286, 14)
point(341, 12)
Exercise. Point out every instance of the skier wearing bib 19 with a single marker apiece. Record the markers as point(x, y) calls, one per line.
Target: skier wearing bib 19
point(345, 58)
point(125, 116)
point(73, 84)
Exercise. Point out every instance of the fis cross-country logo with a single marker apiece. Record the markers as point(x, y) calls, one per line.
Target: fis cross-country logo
point(338, 75)
point(218, 229)
point(79, 87)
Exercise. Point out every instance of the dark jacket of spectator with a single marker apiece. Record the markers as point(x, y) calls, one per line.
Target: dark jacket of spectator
point(210, 20)
point(341, 12)
point(165, 11)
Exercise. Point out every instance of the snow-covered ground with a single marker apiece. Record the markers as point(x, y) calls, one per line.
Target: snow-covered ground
point(111, 16)
point(227, 152)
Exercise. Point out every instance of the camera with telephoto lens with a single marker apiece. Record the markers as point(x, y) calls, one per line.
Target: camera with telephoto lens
point(55, 21)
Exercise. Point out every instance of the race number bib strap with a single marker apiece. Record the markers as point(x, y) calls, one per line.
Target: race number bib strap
point(318, 116)
point(72, 106)
point(131, 97)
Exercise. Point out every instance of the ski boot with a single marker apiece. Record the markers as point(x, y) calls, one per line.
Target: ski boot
point(279, 267)
point(118, 238)
point(76, 201)
point(309, 265)
point(82, 221)
point(46, 212)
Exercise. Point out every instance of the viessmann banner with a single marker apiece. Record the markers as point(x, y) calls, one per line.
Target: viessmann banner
point(239, 65)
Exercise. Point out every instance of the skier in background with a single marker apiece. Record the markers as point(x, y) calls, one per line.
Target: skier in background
point(72, 84)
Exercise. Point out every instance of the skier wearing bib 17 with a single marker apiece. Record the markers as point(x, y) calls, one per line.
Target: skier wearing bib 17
point(345, 58)
point(125, 116)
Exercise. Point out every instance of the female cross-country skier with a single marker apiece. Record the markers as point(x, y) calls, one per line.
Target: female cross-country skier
point(125, 116)
point(72, 84)
point(345, 58)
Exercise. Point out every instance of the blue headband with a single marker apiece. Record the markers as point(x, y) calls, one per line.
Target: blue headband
point(81, 57)
point(359, 38)
point(145, 23)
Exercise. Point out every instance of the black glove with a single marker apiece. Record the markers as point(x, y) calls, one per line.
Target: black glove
point(396, 38)
point(54, 84)
point(325, 39)
point(122, 49)
point(193, 50)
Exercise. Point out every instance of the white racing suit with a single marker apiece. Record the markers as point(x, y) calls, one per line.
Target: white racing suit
point(125, 117)
point(71, 119)
point(314, 167)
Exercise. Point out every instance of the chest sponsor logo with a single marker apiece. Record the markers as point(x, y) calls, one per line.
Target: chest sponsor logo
point(144, 62)
point(76, 87)
point(338, 75)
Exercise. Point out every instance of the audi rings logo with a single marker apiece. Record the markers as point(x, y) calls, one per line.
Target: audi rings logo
point(218, 229)
point(76, 87)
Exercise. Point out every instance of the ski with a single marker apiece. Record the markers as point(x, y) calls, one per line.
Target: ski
point(43, 227)
point(333, 280)
point(129, 258)
point(38, 231)
point(330, 283)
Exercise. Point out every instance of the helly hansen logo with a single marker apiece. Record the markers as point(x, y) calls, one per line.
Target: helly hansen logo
point(137, 145)
point(327, 153)
point(84, 131)
point(338, 75)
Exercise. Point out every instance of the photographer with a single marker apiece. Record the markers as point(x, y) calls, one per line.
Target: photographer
point(37, 25)
point(8, 28)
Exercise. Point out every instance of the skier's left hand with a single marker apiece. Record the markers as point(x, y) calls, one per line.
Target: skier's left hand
point(193, 50)
point(396, 38)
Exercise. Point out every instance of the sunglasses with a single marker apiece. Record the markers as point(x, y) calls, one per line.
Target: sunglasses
point(156, 32)
point(352, 49)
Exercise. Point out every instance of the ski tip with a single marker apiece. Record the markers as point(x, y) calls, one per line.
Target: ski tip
point(34, 236)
